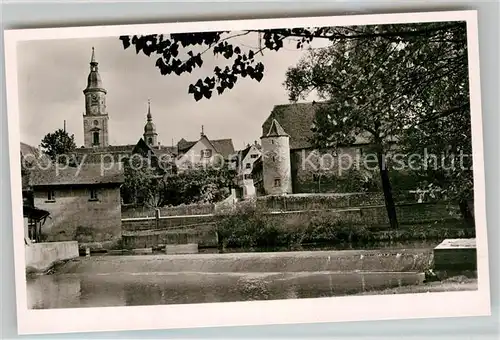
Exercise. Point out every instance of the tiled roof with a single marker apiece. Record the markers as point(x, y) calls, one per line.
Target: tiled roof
point(257, 165)
point(224, 147)
point(31, 157)
point(87, 174)
point(110, 149)
point(27, 149)
point(184, 145)
point(276, 130)
point(296, 120)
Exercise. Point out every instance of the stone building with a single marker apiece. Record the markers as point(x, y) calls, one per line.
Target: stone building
point(83, 202)
point(203, 152)
point(243, 163)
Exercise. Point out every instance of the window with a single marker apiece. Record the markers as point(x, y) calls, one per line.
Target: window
point(253, 156)
point(96, 138)
point(150, 140)
point(51, 196)
point(96, 122)
point(248, 176)
point(206, 153)
point(93, 195)
point(248, 165)
point(277, 182)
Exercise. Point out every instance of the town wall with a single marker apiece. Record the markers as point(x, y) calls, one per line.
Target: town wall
point(325, 171)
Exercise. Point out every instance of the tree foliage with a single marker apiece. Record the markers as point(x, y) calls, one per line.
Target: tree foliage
point(142, 184)
point(200, 185)
point(399, 82)
point(384, 88)
point(58, 143)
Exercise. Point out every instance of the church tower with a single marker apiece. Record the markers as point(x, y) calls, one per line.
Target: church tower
point(276, 165)
point(95, 118)
point(150, 135)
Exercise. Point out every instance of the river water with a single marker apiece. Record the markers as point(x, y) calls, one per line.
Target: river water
point(102, 289)
point(125, 289)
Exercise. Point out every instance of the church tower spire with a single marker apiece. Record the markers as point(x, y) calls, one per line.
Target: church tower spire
point(95, 118)
point(150, 135)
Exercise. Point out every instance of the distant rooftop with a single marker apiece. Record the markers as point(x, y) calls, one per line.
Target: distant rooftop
point(85, 175)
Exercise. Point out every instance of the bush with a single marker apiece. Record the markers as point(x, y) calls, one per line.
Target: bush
point(324, 229)
point(247, 228)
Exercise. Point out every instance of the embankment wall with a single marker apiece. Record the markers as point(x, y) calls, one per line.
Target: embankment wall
point(41, 256)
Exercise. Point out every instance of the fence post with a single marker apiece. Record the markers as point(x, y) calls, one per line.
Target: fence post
point(157, 218)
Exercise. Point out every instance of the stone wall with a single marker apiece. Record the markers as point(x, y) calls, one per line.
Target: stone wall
point(74, 217)
point(130, 211)
point(136, 224)
point(374, 217)
point(202, 234)
point(399, 260)
point(314, 171)
point(348, 169)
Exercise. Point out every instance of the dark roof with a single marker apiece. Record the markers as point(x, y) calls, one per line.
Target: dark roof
point(110, 149)
point(155, 150)
point(163, 149)
point(183, 145)
point(223, 146)
point(296, 120)
point(27, 149)
point(34, 213)
point(276, 130)
point(257, 165)
point(86, 174)
point(243, 153)
point(30, 158)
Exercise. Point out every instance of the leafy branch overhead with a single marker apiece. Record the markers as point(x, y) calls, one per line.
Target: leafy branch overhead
point(180, 53)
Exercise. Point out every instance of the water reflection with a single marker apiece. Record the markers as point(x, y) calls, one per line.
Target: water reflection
point(74, 290)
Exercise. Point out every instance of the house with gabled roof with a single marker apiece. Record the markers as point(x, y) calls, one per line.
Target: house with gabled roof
point(83, 202)
point(243, 162)
point(204, 152)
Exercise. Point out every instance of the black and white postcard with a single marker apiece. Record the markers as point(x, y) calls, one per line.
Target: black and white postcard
point(251, 172)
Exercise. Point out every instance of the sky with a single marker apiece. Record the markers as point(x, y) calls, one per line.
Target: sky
point(53, 73)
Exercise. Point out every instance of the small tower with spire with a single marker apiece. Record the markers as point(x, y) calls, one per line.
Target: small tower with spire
point(95, 118)
point(150, 135)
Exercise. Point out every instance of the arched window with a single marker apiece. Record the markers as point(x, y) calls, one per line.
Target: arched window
point(150, 140)
point(96, 138)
